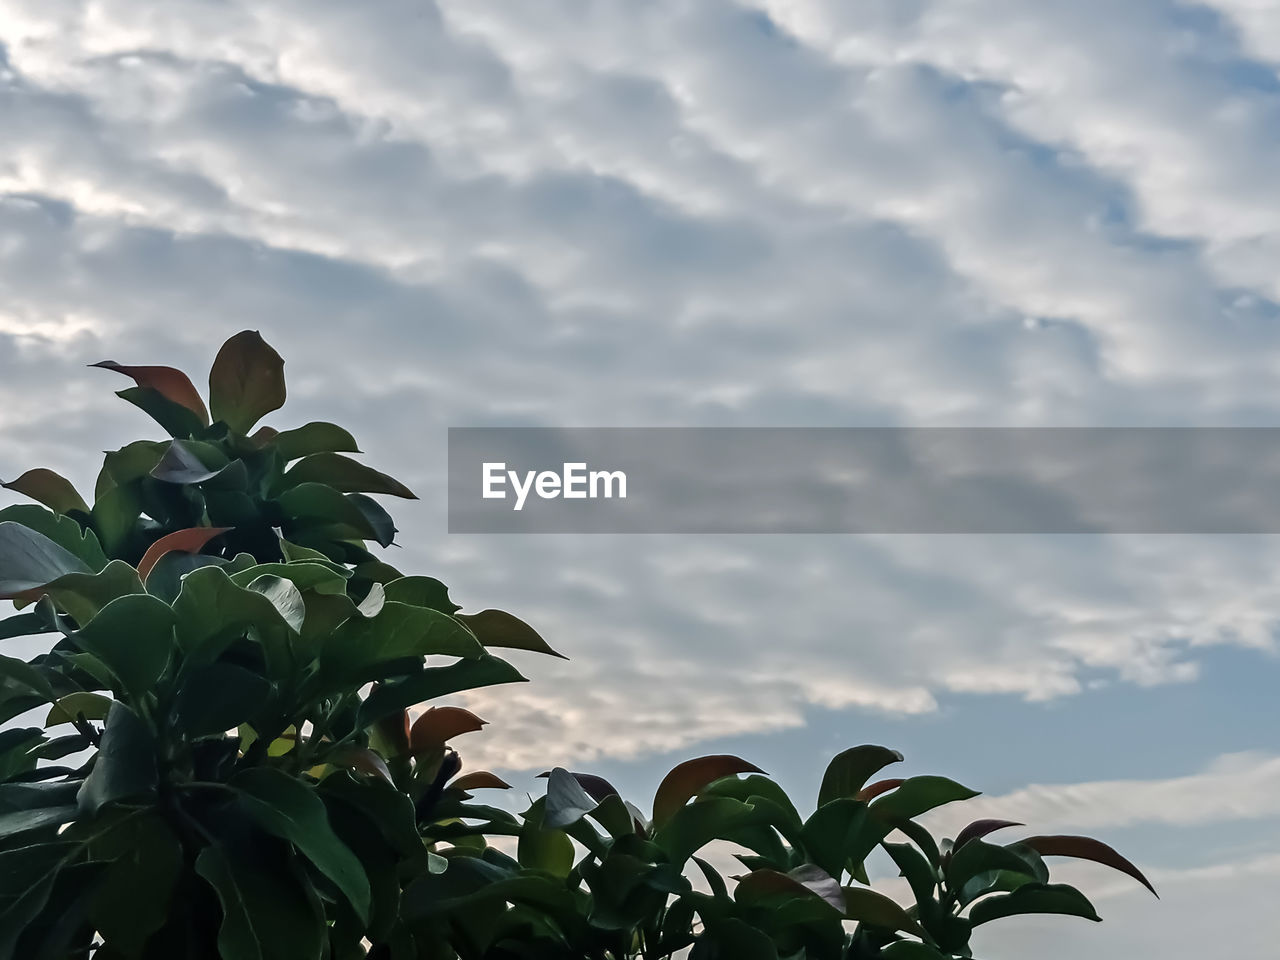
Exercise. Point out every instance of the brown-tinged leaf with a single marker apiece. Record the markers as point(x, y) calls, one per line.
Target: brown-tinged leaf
point(981, 828)
point(51, 489)
point(480, 780)
point(438, 725)
point(686, 779)
point(497, 628)
point(246, 381)
point(871, 791)
point(1086, 848)
point(191, 540)
point(172, 384)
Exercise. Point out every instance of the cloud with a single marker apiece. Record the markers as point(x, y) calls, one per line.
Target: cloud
point(786, 212)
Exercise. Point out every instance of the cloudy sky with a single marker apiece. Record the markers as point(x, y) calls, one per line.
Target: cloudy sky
point(727, 212)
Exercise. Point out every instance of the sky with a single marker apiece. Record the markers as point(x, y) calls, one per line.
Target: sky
point(726, 213)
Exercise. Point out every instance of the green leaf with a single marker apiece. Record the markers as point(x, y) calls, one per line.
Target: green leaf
point(360, 649)
point(849, 771)
point(343, 474)
point(189, 461)
point(178, 421)
point(291, 810)
point(24, 625)
point(27, 876)
point(133, 636)
point(30, 560)
point(51, 489)
point(382, 529)
point(84, 595)
point(737, 940)
point(33, 806)
point(125, 766)
point(688, 778)
point(838, 834)
point(392, 697)
point(217, 697)
point(27, 677)
point(62, 530)
point(306, 576)
point(918, 795)
point(246, 382)
point(266, 913)
point(421, 592)
point(387, 808)
point(544, 848)
point(1034, 898)
point(497, 628)
point(132, 901)
point(212, 612)
point(693, 827)
point(284, 596)
point(314, 437)
point(876, 910)
point(978, 856)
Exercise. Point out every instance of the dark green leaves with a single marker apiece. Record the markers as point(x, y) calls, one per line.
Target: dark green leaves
point(314, 437)
point(1034, 898)
point(849, 771)
point(29, 560)
point(497, 628)
point(345, 475)
point(218, 697)
point(919, 795)
point(246, 382)
point(360, 650)
point(47, 487)
point(267, 913)
point(289, 809)
point(133, 636)
point(125, 767)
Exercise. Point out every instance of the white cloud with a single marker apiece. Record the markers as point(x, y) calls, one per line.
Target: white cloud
point(786, 212)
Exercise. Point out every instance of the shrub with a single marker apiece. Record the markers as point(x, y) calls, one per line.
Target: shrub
point(227, 766)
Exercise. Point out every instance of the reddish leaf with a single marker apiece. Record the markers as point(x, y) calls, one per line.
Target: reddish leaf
point(170, 383)
point(263, 435)
point(687, 778)
point(45, 486)
point(869, 793)
point(480, 780)
point(981, 828)
point(598, 787)
point(1086, 848)
point(438, 725)
point(191, 540)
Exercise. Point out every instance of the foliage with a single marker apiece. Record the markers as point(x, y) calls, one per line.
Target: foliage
point(227, 765)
